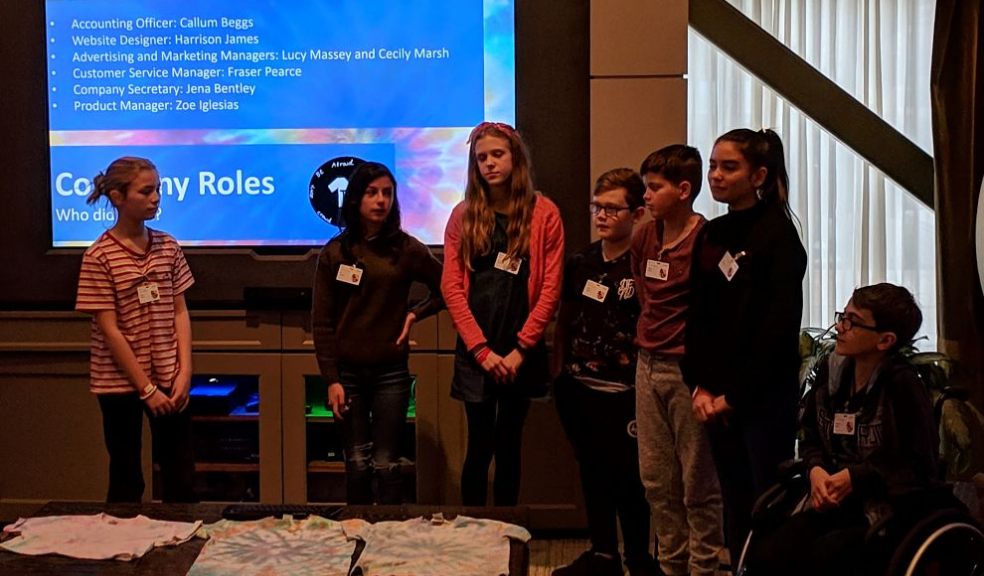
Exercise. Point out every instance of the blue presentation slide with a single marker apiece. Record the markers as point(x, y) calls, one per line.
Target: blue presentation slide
point(264, 64)
point(245, 105)
point(242, 195)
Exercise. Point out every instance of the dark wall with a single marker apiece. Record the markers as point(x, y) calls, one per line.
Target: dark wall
point(552, 114)
point(553, 103)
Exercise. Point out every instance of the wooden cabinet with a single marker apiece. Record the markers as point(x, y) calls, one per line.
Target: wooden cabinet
point(284, 449)
point(237, 432)
point(314, 470)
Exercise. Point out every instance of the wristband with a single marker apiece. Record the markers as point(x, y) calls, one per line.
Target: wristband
point(482, 354)
point(148, 391)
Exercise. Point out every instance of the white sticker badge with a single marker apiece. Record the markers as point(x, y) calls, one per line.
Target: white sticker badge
point(844, 424)
point(507, 264)
point(349, 275)
point(658, 270)
point(148, 292)
point(728, 266)
point(595, 290)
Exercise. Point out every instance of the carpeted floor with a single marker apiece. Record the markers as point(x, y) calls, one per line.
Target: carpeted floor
point(548, 554)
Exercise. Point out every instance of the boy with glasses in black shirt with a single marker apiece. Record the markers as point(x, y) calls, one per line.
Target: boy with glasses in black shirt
point(595, 354)
point(870, 444)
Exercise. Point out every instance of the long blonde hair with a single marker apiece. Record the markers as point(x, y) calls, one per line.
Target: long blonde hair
point(479, 218)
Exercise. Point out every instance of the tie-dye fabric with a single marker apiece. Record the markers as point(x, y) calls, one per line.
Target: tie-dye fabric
point(95, 537)
point(460, 547)
point(274, 547)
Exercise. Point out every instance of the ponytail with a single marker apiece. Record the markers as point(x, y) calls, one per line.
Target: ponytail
point(775, 189)
point(118, 176)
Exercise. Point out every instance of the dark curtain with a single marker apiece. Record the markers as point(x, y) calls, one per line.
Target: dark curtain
point(958, 142)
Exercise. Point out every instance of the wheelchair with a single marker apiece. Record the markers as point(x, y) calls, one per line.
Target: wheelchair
point(946, 541)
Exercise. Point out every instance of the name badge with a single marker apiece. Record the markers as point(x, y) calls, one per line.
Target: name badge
point(844, 424)
point(349, 275)
point(595, 291)
point(728, 266)
point(148, 292)
point(658, 270)
point(506, 264)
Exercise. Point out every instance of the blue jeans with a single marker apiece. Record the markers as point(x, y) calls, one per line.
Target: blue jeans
point(377, 396)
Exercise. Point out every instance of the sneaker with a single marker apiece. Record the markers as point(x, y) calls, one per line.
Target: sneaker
point(590, 563)
point(643, 566)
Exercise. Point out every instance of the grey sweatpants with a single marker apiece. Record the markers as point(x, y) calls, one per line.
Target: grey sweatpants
point(677, 470)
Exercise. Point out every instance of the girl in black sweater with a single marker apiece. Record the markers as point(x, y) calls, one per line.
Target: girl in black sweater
point(742, 353)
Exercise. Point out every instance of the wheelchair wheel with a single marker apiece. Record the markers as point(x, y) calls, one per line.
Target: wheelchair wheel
point(773, 507)
point(947, 543)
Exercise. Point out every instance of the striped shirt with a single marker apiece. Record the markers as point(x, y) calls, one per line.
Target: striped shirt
point(110, 277)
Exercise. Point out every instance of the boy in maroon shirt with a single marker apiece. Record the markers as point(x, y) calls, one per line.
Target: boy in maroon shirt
point(674, 455)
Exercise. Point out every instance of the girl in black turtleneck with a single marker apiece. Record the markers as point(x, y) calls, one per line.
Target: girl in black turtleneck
point(742, 346)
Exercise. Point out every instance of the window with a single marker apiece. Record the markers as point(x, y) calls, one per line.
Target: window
point(858, 226)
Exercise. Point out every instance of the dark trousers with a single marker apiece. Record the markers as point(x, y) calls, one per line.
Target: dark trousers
point(836, 542)
point(172, 449)
point(495, 429)
point(378, 397)
point(747, 452)
point(600, 427)
point(812, 544)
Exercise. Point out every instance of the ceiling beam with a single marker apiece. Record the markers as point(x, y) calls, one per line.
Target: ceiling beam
point(816, 95)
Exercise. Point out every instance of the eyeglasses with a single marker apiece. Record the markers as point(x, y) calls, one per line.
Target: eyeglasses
point(849, 322)
point(610, 211)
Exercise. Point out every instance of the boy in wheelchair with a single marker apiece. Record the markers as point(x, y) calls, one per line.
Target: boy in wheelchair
point(869, 446)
